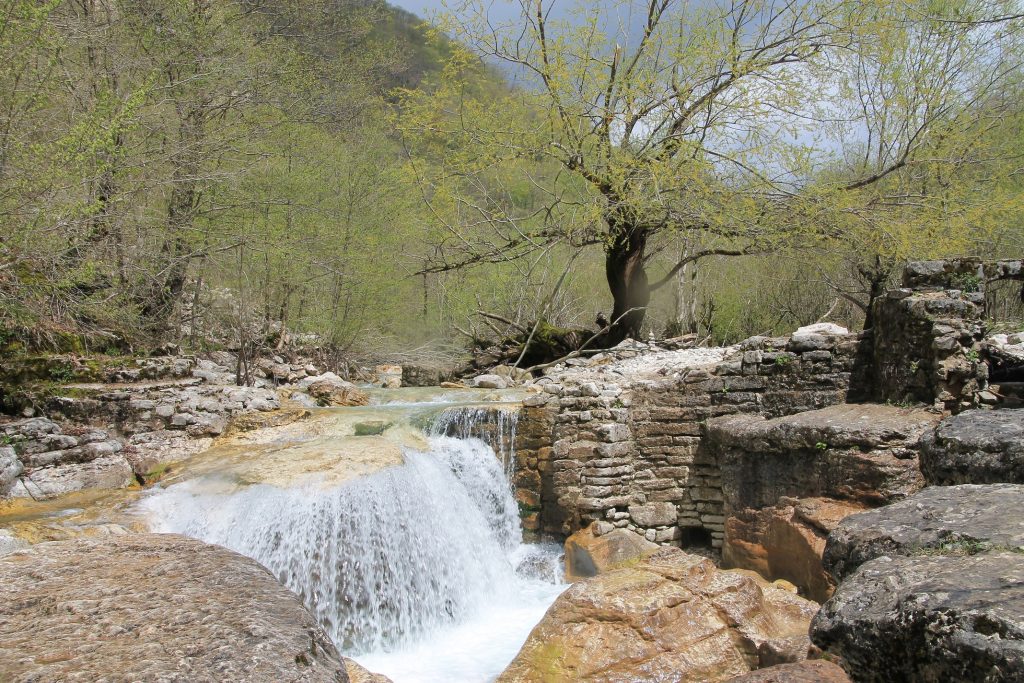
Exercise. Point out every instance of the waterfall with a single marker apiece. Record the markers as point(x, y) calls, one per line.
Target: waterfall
point(384, 561)
point(495, 425)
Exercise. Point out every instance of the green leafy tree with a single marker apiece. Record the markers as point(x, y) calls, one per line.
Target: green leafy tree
point(645, 124)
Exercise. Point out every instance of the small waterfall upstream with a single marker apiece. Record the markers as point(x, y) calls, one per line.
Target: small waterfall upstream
point(418, 571)
point(496, 426)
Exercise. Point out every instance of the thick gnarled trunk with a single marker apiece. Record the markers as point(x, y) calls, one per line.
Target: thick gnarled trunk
point(627, 280)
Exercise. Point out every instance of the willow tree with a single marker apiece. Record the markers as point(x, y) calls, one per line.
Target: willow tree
point(705, 124)
point(668, 122)
point(928, 123)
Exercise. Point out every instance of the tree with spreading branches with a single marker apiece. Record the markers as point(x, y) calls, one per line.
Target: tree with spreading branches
point(732, 127)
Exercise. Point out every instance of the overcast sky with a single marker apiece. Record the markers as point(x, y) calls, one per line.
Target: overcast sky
point(500, 9)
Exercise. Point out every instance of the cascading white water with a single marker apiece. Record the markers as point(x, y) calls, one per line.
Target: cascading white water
point(494, 425)
point(418, 570)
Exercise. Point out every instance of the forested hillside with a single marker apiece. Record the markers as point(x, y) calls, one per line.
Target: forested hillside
point(190, 171)
point(262, 172)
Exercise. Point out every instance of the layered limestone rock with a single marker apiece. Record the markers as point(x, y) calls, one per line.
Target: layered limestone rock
point(600, 548)
point(50, 460)
point(925, 619)
point(788, 481)
point(786, 541)
point(940, 520)
point(671, 616)
point(976, 447)
point(10, 469)
point(624, 427)
point(861, 453)
point(810, 671)
point(153, 607)
point(931, 588)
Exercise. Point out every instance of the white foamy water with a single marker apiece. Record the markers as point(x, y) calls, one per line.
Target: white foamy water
point(474, 422)
point(418, 571)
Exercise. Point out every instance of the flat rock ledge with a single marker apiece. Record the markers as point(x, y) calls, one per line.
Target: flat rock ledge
point(153, 607)
point(940, 520)
point(976, 447)
point(925, 619)
point(866, 454)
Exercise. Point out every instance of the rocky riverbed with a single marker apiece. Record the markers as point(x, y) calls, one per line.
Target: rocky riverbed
point(738, 514)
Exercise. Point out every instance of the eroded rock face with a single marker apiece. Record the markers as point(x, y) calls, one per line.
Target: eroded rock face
point(866, 454)
point(928, 619)
point(811, 671)
point(945, 520)
point(153, 607)
point(589, 553)
point(786, 542)
point(976, 447)
point(670, 617)
point(108, 472)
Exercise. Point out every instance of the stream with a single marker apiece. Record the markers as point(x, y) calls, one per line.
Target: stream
point(404, 542)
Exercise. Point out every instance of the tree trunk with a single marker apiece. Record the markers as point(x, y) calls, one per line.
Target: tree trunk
point(877, 277)
point(181, 207)
point(627, 280)
point(690, 305)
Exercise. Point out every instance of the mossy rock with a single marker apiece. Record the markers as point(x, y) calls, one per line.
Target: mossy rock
point(372, 427)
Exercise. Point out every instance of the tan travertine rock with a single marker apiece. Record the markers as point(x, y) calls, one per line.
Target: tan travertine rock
point(332, 461)
point(153, 607)
point(337, 393)
point(587, 554)
point(670, 617)
point(357, 674)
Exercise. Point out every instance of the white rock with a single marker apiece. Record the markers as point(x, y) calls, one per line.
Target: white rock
point(10, 469)
point(488, 382)
point(9, 543)
point(822, 328)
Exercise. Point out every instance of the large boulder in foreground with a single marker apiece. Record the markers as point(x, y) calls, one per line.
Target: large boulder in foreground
point(865, 454)
point(594, 550)
point(786, 542)
point(926, 619)
point(153, 607)
point(976, 447)
point(668, 617)
point(940, 520)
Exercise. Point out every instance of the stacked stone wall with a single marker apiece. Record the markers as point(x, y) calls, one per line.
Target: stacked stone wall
point(928, 333)
point(628, 447)
point(630, 452)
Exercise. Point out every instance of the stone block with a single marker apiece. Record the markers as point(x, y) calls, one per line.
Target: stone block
point(653, 514)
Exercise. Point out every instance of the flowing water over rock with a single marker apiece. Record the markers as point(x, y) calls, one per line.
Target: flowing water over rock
point(417, 570)
point(496, 426)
